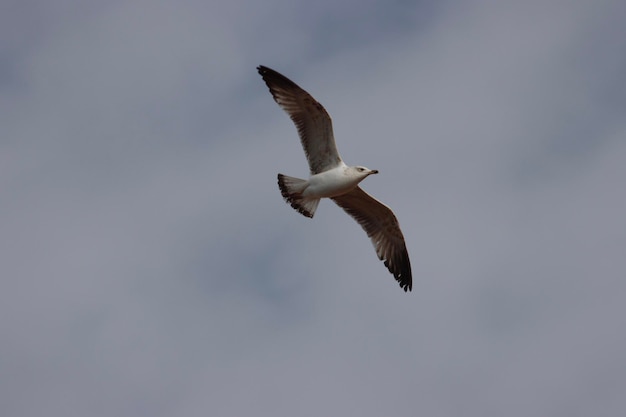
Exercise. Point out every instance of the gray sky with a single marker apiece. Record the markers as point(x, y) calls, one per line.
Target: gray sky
point(150, 266)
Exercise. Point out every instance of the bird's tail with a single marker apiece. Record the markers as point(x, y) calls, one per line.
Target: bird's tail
point(291, 188)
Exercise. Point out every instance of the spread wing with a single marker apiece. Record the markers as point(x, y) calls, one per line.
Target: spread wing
point(383, 229)
point(312, 121)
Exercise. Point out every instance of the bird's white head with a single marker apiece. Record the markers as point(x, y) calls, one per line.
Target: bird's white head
point(363, 172)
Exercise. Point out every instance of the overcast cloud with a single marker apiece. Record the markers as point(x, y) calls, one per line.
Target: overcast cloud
point(149, 265)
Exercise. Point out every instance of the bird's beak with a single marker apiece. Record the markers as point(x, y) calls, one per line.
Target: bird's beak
point(374, 171)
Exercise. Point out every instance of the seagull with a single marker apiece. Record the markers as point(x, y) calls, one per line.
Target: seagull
point(331, 178)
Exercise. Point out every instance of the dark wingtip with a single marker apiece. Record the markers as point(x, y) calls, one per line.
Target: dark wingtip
point(406, 286)
point(274, 78)
point(405, 279)
point(403, 276)
point(265, 71)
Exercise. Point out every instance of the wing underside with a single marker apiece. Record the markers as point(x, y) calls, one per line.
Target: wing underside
point(311, 119)
point(383, 229)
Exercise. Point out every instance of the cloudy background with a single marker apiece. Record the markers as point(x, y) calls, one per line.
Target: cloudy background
point(148, 265)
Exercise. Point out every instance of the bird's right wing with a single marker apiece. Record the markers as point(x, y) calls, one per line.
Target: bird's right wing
point(383, 229)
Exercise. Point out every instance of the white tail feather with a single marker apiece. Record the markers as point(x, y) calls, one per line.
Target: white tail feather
point(291, 188)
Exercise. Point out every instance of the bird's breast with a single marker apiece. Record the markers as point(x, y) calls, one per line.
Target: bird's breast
point(330, 183)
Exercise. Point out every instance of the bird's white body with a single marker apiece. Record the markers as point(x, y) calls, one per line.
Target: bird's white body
point(336, 181)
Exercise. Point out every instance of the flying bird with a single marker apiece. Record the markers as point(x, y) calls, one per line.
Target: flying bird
point(331, 178)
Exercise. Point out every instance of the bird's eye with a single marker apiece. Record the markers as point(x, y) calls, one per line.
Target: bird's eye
point(360, 169)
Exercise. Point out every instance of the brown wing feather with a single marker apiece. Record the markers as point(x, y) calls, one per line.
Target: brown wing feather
point(311, 119)
point(383, 229)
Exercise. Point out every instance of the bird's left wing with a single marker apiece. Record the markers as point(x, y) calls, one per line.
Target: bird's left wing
point(314, 125)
